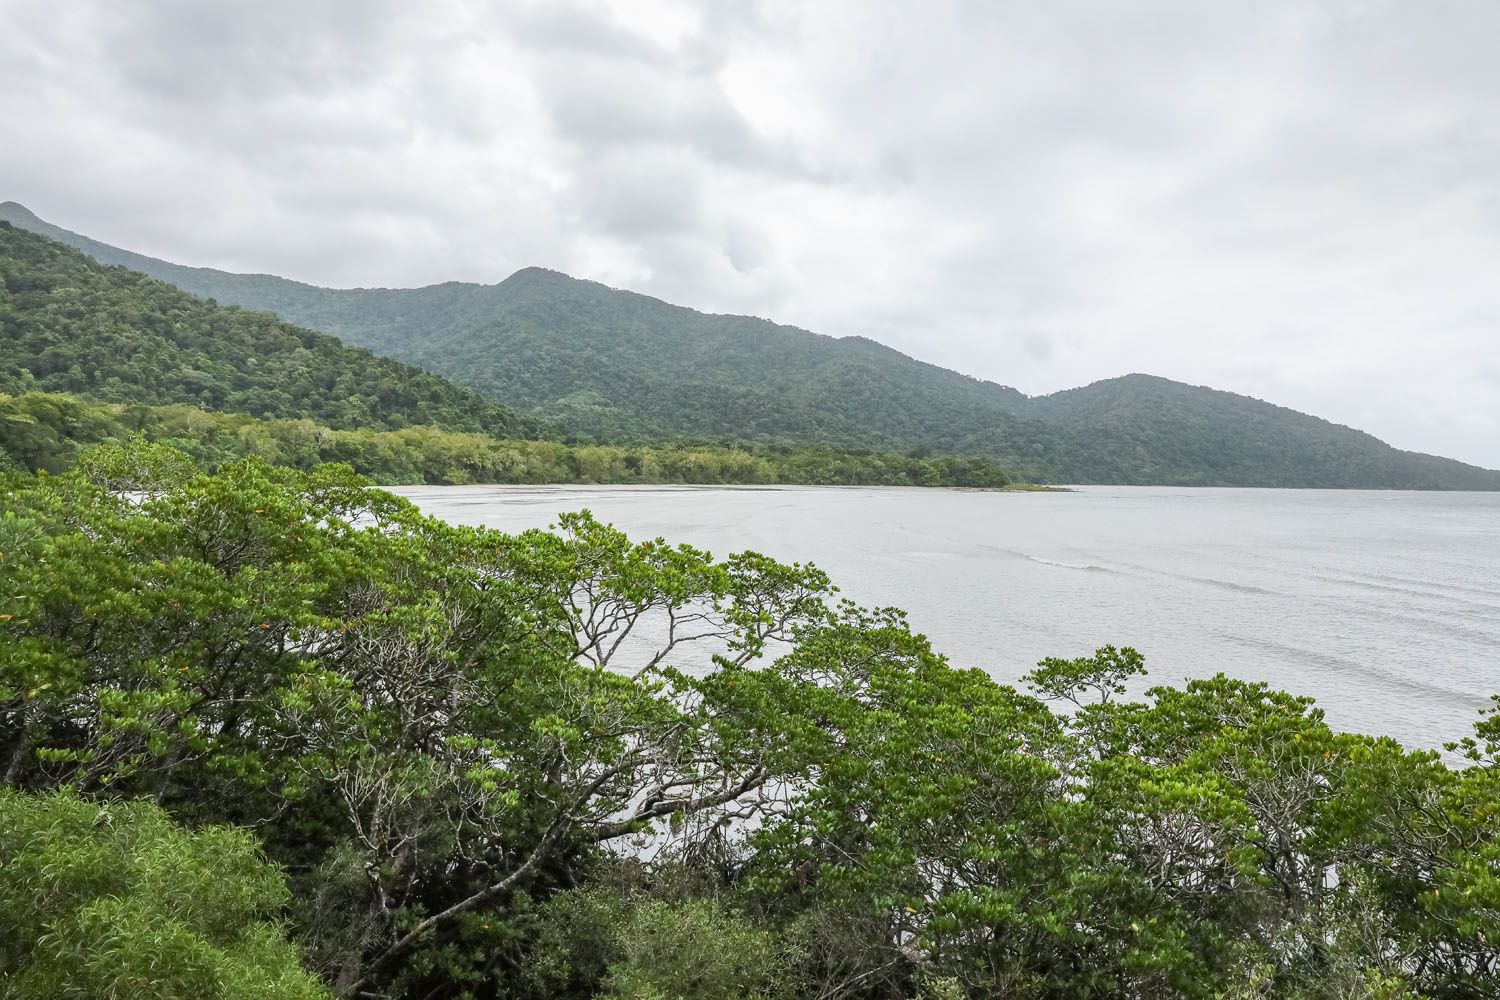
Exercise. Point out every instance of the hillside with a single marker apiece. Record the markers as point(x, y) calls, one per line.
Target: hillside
point(1144, 429)
point(90, 353)
point(618, 366)
point(70, 324)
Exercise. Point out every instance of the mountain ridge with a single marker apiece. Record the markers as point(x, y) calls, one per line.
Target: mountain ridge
point(204, 277)
point(73, 325)
point(615, 365)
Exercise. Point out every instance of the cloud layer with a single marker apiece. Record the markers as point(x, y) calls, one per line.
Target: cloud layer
point(1296, 201)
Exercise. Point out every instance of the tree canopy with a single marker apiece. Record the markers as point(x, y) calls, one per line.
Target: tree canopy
point(571, 764)
point(48, 431)
point(68, 324)
point(111, 899)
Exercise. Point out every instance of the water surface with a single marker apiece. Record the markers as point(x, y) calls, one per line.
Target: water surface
point(1384, 606)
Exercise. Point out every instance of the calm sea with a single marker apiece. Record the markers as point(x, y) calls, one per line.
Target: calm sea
point(1383, 606)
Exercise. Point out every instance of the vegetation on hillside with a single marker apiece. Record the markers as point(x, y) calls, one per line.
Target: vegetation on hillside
point(567, 765)
point(48, 431)
point(155, 361)
point(1142, 430)
point(614, 366)
point(68, 324)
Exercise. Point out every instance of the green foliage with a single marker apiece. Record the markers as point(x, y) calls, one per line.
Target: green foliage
point(614, 366)
point(1147, 430)
point(47, 431)
point(154, 361)
point(1100, 677)
point(455, 715)
point(68, 324)
point(569, 764)
point(111, 899)
point(646, 941)
point(691, 951)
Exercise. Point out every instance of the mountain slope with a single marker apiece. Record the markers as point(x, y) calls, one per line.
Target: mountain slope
point(617, 365)
point(69, 324)
point(537, 339)
point(370, 317)
point(1145, 429)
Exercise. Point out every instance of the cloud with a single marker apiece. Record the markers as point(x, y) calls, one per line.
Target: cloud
point(1298, 201)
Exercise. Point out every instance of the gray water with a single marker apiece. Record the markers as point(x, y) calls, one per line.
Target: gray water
point(1385, 607)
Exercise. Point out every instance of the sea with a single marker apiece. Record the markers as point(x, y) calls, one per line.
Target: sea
point(1383, 606)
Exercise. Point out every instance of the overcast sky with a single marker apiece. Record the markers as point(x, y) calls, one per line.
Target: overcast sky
point(1298, 200)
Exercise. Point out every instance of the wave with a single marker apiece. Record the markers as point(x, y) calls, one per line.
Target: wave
point(1090, 567)
point(1211, 581)
point(1239, 588)
point(1430, 595)
point(1434, 586)
point(1386, 677)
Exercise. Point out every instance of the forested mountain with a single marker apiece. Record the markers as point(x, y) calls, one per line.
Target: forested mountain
point(90, 353)
point(69, 324)
point(618, 366)
point(1143, 429)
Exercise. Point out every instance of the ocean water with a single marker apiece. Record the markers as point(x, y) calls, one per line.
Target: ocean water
point(1384, 606)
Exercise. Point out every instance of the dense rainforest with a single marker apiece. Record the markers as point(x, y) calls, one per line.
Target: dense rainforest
point(90, 353)
point(275, 734)
point(72, 325)
point(49, 431)
point(614, 366)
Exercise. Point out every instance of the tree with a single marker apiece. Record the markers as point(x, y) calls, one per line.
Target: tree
point(454, 740)
point(329, 661)
point(112, 899)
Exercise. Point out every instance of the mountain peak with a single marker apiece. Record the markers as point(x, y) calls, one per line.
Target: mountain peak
point(13, 211)
point(533, 274)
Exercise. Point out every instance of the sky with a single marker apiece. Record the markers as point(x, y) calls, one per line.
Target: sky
point(1294, 199)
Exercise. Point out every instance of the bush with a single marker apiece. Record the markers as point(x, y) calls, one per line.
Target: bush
point(114, 900)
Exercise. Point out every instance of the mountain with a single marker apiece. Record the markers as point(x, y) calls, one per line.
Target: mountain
point(616, 365)
point(1145, 429)
point(70, 324)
